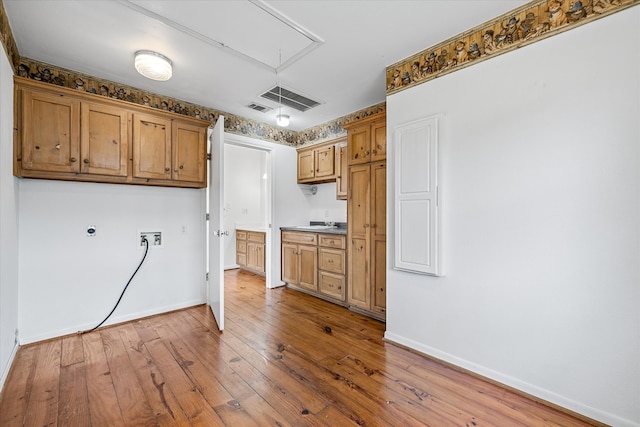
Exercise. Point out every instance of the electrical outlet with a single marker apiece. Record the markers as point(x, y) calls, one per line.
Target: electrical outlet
point(154, 238)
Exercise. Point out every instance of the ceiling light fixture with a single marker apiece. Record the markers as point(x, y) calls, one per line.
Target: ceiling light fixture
point(153, 65)
point(281, 119)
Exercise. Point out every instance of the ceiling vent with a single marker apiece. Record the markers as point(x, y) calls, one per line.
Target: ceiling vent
point(290, 98)
point(259, 107)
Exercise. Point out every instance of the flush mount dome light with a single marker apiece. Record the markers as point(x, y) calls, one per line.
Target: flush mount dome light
point(153, 65)
point(282, 120)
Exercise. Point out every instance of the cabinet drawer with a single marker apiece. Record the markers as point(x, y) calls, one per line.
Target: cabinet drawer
point(255, 236)
point(241, 235)
point(332, 284)
point(241, 259)
point(331, 260)
point(331, 241)
point(300, 237)
point(241, 246)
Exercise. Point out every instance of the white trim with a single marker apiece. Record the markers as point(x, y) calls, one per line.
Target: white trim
point(510, 381)
point(8, 366)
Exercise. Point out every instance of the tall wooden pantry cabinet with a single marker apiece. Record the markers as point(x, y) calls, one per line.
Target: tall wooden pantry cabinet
point(366, 215)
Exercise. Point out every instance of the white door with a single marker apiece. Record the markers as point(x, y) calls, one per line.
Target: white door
point(216, 232)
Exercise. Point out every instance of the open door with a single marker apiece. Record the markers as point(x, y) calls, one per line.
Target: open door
point(216, 232)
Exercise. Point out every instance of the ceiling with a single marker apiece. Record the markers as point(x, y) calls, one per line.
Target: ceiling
point(226, 53)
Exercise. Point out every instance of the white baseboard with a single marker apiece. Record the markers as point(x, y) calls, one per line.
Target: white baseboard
point(111, 321)
point(7, 368)
point(549, 396)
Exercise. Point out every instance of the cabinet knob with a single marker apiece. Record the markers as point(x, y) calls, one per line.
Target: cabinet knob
point(366, 153)
point(37, 147)
point(175, 170)
point(167, 169)
point(181, 166)
point(86, 161)
point(375, 151)
point(57, 146)
point(73, 160)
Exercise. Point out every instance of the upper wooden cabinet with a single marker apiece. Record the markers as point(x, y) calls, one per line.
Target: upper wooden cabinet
point(151, 147)
point(70, 135)
point(317, 163)
point(50, 133)
point(342, 178)
point(104, 140)
point(367, 140)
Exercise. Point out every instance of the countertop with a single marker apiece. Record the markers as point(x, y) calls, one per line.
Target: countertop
point(257, 228)
point(339, 228)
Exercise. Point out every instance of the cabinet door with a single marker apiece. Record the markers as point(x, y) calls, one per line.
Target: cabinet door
point(378, 200)
point(51, 132)
point(105, 140)
point(358, 204)
point(260, 258)
point(343, 173)
point(308, 267)
point(189, 152)
point(359, 143)
point(358, 273)
point(379, 275)
point(378, 141)
point(252, 255)
point(151, 147)
point(290, 265)
point(325, 162)
point(358, 223)
point(306, 165)
point(378, 236)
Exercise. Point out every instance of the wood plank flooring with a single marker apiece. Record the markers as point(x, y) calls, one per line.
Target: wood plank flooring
point(285, 359)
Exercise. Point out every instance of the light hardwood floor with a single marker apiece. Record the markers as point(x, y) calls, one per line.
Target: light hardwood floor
point(284, 359)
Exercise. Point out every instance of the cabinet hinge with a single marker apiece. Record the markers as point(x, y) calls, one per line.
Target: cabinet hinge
point(207, 217)
point(207, 276)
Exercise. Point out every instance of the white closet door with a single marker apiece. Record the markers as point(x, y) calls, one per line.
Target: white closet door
point(416, 197)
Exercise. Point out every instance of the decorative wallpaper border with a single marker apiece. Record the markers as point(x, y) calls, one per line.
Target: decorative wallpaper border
point(6, 37)
point(527, 24)
point(52, 74)
point(48, 73)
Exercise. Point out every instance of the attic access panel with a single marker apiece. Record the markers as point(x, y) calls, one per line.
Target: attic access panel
point(290, 98)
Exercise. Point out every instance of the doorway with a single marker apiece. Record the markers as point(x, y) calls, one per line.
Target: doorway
point(248, 171)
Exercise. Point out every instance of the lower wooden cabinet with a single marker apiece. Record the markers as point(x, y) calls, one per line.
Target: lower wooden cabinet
point(250, 250)
point(315, 263)
point(300, 259)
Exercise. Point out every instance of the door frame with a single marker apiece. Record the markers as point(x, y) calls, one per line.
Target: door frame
point(252, 144)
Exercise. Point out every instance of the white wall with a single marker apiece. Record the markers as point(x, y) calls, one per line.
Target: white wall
point(540, 154)
point(289, 205)
point(69, 282)
point(8, 223)
point(325, 206)
point(244, 193)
